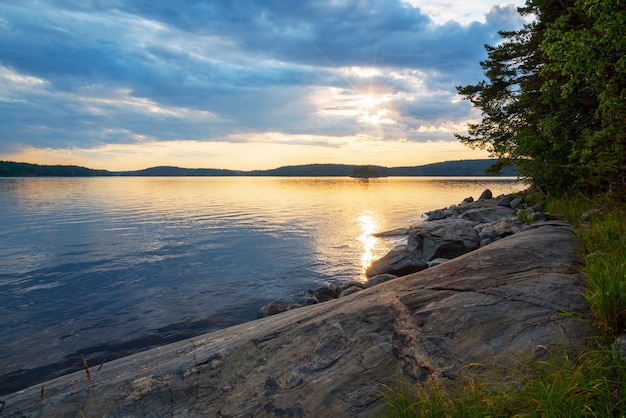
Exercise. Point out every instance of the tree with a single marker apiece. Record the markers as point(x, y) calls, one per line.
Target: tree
point(366, 171)
point(587, 46)
point(541, 113)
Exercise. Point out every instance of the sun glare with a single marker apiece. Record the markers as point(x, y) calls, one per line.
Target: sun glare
point(368, 227)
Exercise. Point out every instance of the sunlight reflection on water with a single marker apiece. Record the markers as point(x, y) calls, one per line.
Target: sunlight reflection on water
point(110, 266)
point(369, 226)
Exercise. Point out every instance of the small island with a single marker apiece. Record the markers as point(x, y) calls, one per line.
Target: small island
point(366, 172)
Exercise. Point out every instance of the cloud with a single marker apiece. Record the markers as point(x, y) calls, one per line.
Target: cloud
point(89, 73)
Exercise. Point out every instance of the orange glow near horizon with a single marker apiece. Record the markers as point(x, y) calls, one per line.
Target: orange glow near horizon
point(262, 153)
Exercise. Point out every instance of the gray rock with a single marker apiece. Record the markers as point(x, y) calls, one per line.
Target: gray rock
point(399, 261)
point(325, 293)
point(486, 195)
point(392, 233)
point(505, 201)
point(378, 279)
point(500, 228)
point(350, 290)
point(292, 302)
point(437, 261)
point(588, 215)
point(517, 202)
point(619, 346)
point(436, 215)
point(487, 236)
point(493, 306)
point(486, 211)
point(447, 238)
point(469, 199)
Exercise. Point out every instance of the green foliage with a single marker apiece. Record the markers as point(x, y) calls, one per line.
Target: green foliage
point(554, 97)
point(587, 47)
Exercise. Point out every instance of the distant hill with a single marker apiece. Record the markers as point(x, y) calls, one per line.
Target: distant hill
point(12, 169)
point(177, 171)
point(448, 168)
point(309, 170)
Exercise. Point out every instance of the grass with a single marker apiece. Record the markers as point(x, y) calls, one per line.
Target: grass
point(589, 384)
point(602, 240)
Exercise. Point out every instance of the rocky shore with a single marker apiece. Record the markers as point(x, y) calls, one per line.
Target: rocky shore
point(443, 235)
point(495, 301)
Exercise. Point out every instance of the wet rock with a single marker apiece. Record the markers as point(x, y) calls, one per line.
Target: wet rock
point(392, 233)
point(325, 293)
point(292, 302)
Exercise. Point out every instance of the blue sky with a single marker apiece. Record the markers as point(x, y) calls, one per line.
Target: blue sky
point(241, 84)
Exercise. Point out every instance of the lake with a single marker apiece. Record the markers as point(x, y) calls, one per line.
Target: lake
point(108, 266)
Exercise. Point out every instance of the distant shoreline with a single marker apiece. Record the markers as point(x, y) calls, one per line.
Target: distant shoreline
point(459, 168)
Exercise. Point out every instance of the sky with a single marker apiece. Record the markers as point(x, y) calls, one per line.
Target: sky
point(241, 84)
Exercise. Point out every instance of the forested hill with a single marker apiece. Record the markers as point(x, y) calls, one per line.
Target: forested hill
point(11, 169)
point(448, 168)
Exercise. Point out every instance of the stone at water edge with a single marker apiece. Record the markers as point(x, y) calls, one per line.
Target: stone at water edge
point(486, 195)
point(400, 261)
point(446, 238)
point(437, 215)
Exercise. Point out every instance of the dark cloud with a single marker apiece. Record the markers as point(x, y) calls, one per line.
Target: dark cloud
point(85, 73)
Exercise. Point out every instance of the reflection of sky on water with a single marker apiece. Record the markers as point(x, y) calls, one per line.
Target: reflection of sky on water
point(113, 265)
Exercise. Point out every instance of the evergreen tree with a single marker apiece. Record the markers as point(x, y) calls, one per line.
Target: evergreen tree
point(562, 127)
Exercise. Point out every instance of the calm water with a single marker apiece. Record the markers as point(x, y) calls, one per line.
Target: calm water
point(104, 267)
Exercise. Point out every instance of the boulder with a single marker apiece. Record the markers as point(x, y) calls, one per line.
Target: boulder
point(325, 293)
point(494, 306)
point(392, 233)
point(447, 238)
point(350, 290)
point(517, 202)
point(505, 201)
point(436, 215)
point(378, 279)
point(399, 261)
point(437, 261)
point(486, 195)
point(501, 228)
point(297, 300)
point(486, 211)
